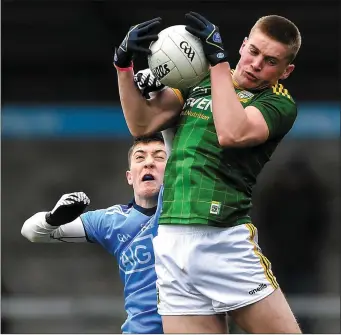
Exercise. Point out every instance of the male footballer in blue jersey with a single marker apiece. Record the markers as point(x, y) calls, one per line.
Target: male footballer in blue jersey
point(125, 231)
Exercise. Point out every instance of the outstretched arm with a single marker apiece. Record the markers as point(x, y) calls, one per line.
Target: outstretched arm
point(36, 229)
point(61, 224)
point(143, 116)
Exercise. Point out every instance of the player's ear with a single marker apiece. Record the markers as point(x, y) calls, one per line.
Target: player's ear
point(243, 45)
point(287, 71)
point(129, 177)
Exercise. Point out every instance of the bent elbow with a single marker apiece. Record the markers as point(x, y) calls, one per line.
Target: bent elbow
point(137, 129)
point(137, 132)
point(134, 133)
point(226, 141)
point(27, 232)
point(30, 229)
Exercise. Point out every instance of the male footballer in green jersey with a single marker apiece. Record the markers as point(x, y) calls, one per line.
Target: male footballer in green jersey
point(207, 258)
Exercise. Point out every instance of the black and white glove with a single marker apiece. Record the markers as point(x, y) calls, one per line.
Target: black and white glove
point(210, 37)
point(69, 207)
point(137, 39)
point(146, 82)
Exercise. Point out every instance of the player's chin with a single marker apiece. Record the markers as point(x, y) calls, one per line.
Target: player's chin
point(250, 84)
point(151, 188)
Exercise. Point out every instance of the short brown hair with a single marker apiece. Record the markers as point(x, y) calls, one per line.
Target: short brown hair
point(156, 137)
point(282, 30)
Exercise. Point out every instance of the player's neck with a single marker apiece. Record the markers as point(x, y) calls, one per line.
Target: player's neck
point(146, 202)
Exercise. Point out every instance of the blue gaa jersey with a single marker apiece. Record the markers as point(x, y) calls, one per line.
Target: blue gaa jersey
point(126, 231)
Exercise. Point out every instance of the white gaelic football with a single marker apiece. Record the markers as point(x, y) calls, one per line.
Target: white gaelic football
point(177, 58)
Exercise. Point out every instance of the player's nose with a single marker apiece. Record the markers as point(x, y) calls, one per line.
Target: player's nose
point(149, 161)
point(257, 63)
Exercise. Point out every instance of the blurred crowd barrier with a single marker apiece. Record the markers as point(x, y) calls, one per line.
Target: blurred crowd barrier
point(75, 288)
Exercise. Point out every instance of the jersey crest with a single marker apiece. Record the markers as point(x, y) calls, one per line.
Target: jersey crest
point(245, 96)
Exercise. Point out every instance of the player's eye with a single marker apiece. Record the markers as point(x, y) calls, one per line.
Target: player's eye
point(272, 62)
point(160, 157)
point(139, 157)
point(253, 51)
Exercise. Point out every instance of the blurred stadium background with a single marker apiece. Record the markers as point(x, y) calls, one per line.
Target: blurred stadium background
point(63, 131)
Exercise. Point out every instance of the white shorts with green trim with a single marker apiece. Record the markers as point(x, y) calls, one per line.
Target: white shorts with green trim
point(205, 270)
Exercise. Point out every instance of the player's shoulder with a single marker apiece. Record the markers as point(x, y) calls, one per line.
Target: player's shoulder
point(118, 209)
point(112, 217)
point(280, 92)
point(109, 213)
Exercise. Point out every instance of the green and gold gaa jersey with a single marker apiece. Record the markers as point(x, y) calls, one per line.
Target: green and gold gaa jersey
point(207, 184)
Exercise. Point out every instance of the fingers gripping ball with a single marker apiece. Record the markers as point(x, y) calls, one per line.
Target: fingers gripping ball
point(177, 58)
point(147, 83)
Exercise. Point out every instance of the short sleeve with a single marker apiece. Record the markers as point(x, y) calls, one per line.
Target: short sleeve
point(180, 95)
point(93, 224)
point(279, 111)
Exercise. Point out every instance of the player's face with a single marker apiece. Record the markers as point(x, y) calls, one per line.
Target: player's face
point(148, 162)
point(262, 63)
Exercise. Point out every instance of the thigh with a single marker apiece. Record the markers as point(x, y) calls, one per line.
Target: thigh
point(195, 324)
point(269, 315)
point(175, 293)
point(231, 270)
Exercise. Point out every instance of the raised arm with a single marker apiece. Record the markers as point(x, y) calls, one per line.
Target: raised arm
point(235, 126)
point(62, 224)
point(142, 116)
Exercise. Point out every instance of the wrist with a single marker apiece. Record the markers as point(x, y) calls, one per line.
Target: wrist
point(125, 69)
point(222, 65)
point(217, 57)
point(49, 220)
point(122, 59)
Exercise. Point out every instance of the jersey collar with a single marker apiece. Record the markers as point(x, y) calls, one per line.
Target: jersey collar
point(145, 211)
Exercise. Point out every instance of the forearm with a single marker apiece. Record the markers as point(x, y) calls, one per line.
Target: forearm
point(144, 116)
point(136, 110)
point(229, 116)
point(36, 229)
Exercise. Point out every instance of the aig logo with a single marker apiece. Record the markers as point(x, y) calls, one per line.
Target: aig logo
point(138, 256)
point(187, 49)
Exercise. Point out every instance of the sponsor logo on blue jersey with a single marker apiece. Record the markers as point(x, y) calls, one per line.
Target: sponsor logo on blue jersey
point(138, 256)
